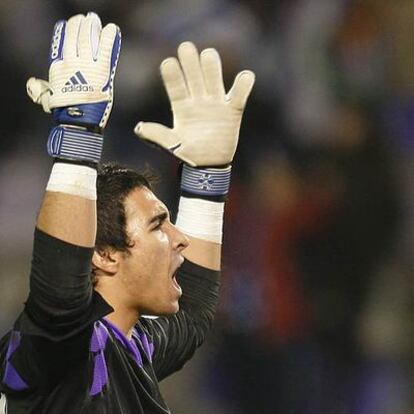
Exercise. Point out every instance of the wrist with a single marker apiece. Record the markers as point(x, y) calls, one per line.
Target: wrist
point(88, 116)
point(201, 219)
point(201, 207)
point(78, 136)
point(209, 183)
point(75, 143)
point(77, 180)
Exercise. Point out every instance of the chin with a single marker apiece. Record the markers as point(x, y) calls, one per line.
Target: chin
point(172, 309)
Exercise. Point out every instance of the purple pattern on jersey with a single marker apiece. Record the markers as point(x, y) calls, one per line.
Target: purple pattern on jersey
point(11, 377)
point(130, 345)
point(148, 346)
point(100, 369)
point(151, 349)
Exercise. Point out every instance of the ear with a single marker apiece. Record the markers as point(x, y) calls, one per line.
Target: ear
point(106, 261)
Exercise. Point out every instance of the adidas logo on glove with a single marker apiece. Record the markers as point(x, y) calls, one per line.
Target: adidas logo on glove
point(77, 83)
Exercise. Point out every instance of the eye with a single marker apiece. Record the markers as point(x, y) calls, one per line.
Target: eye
point(158, 221)
point(158, 226)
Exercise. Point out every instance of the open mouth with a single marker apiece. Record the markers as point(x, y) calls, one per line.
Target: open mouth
point(177, 287)
point(175, 282)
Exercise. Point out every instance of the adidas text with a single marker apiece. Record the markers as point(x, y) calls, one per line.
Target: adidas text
point(77, 88)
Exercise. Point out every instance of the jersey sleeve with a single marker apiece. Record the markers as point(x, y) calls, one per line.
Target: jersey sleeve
point(55, 326)
point(61, 301)
point(175, 338)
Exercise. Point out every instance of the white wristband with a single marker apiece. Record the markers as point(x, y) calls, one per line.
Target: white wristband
point(78, 180)
point(201, 219)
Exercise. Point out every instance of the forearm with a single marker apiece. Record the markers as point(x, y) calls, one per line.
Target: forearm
point(69, 218)
point(201, 220)
point(200, 213)
point(204, 253)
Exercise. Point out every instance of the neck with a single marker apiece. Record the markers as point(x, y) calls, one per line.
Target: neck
point(123, 317)
point(123, 324)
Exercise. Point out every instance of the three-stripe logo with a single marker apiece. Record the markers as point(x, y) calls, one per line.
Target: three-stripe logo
point(77, 83)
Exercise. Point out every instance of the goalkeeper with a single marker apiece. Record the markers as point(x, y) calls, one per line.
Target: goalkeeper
point(105, 251)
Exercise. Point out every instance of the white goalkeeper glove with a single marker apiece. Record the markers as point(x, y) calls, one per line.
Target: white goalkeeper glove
point(204, 135)
point(206, 119)
point(83, 60)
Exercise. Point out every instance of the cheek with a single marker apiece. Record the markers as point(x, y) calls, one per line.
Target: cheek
point(160, 243)
point(154, 254)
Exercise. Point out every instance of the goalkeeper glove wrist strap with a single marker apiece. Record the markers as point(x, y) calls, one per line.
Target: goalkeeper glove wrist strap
point(90, 115)
point(205, 182)
point(75, 143)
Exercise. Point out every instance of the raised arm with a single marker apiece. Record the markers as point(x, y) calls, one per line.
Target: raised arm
point(79, 94)
point(204, 137)
point(83, 60)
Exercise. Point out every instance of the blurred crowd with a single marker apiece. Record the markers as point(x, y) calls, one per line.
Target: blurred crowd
point(317, 311)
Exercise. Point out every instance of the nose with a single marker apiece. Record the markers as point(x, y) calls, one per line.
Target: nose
point(180, 240)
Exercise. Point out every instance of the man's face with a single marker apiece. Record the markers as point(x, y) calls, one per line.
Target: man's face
point(148, 272)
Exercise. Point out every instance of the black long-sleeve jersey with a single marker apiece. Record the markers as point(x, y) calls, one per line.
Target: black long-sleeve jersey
point(63, 356)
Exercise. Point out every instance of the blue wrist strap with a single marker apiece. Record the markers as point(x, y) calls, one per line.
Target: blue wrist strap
point(75, 143)
point(81, 114)
point(206, 181)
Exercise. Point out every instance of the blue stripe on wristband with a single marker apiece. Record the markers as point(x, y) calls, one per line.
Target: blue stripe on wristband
point(74, 144)
point(207, 181)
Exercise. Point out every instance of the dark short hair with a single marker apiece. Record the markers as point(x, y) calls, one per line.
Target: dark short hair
point(114, 183)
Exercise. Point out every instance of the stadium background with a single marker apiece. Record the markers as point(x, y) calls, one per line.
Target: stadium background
point(317, 308)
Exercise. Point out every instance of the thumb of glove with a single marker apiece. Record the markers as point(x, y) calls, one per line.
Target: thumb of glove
point(39, 92)
point(158, 134)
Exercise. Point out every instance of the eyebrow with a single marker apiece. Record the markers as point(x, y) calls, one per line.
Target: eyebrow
point(158, 218)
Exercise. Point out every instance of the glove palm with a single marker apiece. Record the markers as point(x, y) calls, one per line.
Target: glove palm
point(206, 119)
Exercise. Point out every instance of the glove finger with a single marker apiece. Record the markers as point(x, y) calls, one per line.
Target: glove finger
point(213, 76)
point(39, 92)
point(173, 78)
point(89, 34)
point(158, 134)
point(70, 46)
point(109, 48)
point(241, 89)
point(190, 62)
point(56, 47)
